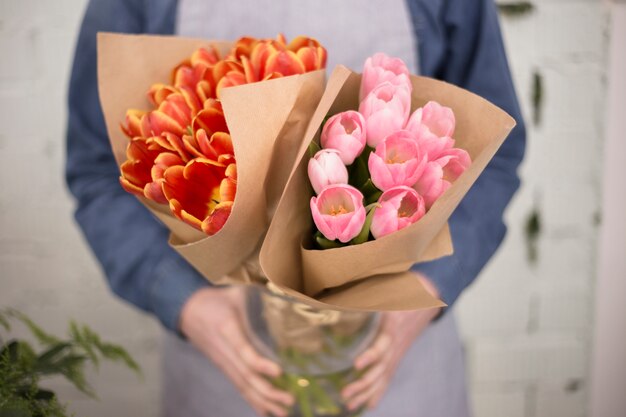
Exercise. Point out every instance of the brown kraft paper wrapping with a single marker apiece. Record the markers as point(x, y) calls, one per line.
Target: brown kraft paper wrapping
point(374, 275)
point(267, 121)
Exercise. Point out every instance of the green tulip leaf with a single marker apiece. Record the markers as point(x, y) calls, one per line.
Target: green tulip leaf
point(313, 149)
point(358, 172)
point(324, 243)
point(364, 234)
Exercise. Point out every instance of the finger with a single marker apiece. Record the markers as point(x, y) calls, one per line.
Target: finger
point(238, 341)
point(258, 392)
point(368, 379)
point(375, 400)
point(262, 406)
point(373, 354)
point(268, 391)
point(245, 359)
point(377, 388)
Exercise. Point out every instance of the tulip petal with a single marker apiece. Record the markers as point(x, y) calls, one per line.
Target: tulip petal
point(232, 79)
point(216, 220)
point(132, 125)
point(243, 48)
point(205, 56)
point(308, 57)
point(284, 62)
point(210, 120)
point(136, 170)
point(159, 92)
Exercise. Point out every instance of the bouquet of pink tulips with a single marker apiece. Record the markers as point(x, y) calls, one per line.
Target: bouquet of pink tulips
point(386, 159)
point(381, 168)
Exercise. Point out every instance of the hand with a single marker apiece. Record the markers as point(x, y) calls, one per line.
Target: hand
point(212, 321)
point(398, 331)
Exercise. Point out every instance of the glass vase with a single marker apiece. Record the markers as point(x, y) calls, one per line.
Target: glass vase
point(315, 347)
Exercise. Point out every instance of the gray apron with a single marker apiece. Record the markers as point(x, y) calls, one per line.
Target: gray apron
point(430, 381)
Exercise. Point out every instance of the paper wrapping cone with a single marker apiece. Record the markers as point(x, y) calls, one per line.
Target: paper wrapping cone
point(266, 121)
point(374, 275)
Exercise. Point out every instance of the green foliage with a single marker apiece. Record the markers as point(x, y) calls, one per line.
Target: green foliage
point(364, 234)
point(515, 8)
point(22, 367)
point(313, 149)
point(532, 232)
point(537, 97)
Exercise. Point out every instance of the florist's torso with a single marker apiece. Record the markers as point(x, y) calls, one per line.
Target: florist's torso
point(338, 25)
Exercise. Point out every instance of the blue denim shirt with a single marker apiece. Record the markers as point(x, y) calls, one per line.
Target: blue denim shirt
point(459, 41)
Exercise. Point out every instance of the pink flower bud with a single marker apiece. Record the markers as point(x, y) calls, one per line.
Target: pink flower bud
point(399, 207)
point(437, 118)
point(338, 212)
point(385, 110)
point(432, 184)
point(454, 161)
point(380, 68)
point(326, 168)
point(396, 161)
point(345, 132)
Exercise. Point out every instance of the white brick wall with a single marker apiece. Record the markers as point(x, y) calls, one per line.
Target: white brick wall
point(531, 357)
point(45, 268)
point(526, 326)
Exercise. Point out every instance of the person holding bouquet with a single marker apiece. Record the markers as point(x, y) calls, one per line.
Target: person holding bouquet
point(415, 366)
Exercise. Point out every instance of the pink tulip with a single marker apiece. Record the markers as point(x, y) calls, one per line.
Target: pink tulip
point(399, 207)
point(345, 132)
point(338, 212)
point(326, 168)
point(430, 144)
point(396, 161)
point(437, 118)
point(453, 160)
point(432, 184)
point(380, 68)
point(385, 110)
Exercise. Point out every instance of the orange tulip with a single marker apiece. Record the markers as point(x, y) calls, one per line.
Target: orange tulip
point(159, 92)
point(193, 192)
point(197, 82)
point(214, 223)
point(170, 142)
point(136, 174)
point(173, 115)
point(132, 125)
point(203, 56)
point(301, 55)
point(228, 188)
point(210, 138)
point(285, 63)
point(261, 52)
point(312, 57)
point(242, 48)
point(154, 189)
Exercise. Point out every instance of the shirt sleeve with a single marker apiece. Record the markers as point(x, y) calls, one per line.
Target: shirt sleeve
point(130, 244)
point(460, 42)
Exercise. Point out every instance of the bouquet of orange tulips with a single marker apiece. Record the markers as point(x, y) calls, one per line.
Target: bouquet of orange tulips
point(211, 145)
point(181, 153)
